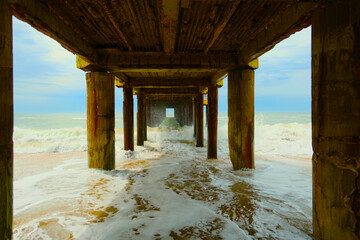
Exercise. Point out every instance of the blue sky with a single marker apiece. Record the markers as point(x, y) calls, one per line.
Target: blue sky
point(46, 79)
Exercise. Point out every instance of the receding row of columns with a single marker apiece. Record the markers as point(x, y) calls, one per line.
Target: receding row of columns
point(198, 122)
point(335, 120)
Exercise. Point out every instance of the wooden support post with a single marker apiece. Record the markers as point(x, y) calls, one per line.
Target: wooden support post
point(140, 119)
point(145, 119)
point(336, 121)
point(241, 118)
point(6, 121)
point(191, 113)
point(128, 116)
point(212, 121)
point(199, 120)
point(194, 115)
point(101, 120)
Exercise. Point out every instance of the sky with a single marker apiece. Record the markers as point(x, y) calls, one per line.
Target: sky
point(46, 79)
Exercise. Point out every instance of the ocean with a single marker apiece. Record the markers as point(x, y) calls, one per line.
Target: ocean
point(166, 189)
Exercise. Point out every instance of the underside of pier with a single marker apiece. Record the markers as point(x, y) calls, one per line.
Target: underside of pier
point(172, 52)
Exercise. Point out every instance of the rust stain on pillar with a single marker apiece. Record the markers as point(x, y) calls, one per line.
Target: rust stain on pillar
point(100, 120)
point(241, 118)
point(336, 121)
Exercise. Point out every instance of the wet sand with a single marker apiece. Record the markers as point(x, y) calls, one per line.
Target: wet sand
point(169, 195)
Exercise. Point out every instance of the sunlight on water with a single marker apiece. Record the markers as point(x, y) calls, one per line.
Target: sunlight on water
point(165, 189)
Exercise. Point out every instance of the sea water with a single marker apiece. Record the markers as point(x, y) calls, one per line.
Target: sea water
point(165, 189)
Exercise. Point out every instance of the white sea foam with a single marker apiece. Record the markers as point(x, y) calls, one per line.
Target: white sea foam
point(165, 189)
point(272, 139)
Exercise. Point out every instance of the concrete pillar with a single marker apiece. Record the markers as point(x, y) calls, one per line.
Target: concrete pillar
point(6, 121)
point(241, 118)
point(145, 119)
point(101, 120)
point(140, 119)
point(336, 120)
point(199, 120)
point(128, 116)
point(212, 119)
point(190, 111)
point(194, 115)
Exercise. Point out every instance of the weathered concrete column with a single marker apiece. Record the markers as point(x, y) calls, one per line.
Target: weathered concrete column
point(241, 118)
point(6, 121)
point(336, 121)
point(140, 119)
point(128, 116)
point(199, 120)
point(145, 119)
point(101, 120)
point(194, 115)
point(212, 121)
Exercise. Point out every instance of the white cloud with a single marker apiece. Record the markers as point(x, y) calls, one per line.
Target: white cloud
point(286, 69)
point(43, 66)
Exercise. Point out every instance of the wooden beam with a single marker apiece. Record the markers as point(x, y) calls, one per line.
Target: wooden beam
point(168, 82)
point(120, 79)
point(170, 91)
point(217, 77)
point(185, 3)
point(292, 20)
point(169, 98)
point(169, 23)
point(117, 61)
point(222, 25)
point(115, 24)
point(38, 16)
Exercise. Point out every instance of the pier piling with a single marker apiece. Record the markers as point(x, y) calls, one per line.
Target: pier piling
point(101, 120)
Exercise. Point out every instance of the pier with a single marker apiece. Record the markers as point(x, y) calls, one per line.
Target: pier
point(170, 53)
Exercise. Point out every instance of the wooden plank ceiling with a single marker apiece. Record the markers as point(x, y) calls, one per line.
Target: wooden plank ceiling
point(165, 39)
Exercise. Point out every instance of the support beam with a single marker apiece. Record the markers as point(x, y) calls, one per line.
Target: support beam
point(128, 116)
point(115, 25)
point(222, 25)
point(336, 121)
point(169, 82)
point(6, 122)
point(114, 60)
point(170, 91)
point(38, 16)
point(199, 120)
point(295, 18)
point(140, 119)
point(212, 122)
point(169, 23)
point(241, 118)
point(101, 120)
